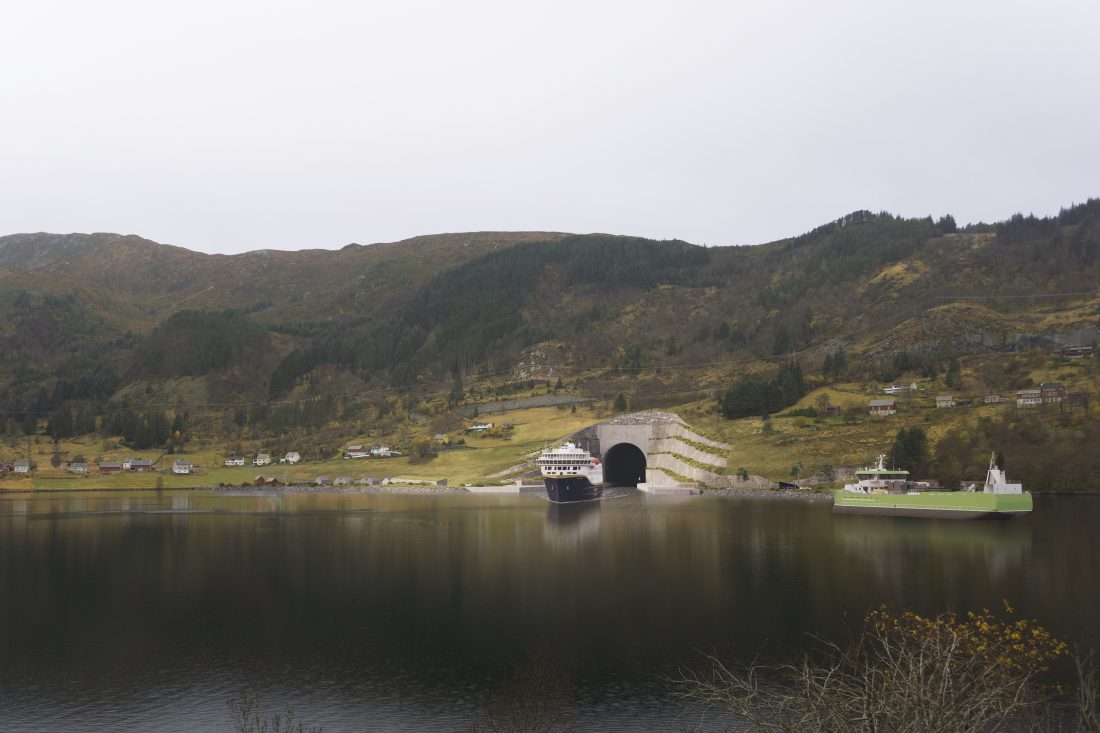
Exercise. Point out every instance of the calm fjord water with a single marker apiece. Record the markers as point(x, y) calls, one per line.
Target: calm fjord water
point(148, 611)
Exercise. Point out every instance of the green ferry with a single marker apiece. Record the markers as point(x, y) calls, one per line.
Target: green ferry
point(883, 491)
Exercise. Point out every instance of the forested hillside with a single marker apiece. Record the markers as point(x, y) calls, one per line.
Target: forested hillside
point(100, 325)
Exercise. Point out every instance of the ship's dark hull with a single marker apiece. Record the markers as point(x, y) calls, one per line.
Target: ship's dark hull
point(571, 488)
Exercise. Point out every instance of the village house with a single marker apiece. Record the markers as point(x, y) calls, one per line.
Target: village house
point(355, 451)
point(480, 427)
point(261, 459)
point(342, 481)
point(1028, 397)
point(1052, 391)
point(1077, 352)
point(369, 481)
point(291, 458)
point(78, 467)
point(180, 466)
point(22, 467)
point(383, 451)
point(993, 399)
point(106, 468)
point(143, 465)
point(945, 400)
point(321, 481)
point(882, 407)
point(896, 389)
point(235, 461)
point(261, 481)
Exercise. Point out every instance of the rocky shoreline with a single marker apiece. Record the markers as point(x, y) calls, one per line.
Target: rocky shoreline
point(774, 494)
point(352, 489)
point(780, 494)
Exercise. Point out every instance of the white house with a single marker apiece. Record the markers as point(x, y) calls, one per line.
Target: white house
point(290, 458)
point(1029, 397)
point(22, 466)
point(261, 459)
point(897, 389)
point(945, 400)
point(993, 399)
point(235, 461)
point(383, 451)
point(79, 467)
point(481, 426)
point(181, 466)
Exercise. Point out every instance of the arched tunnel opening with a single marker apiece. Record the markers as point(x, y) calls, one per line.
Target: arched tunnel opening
point(624, 465)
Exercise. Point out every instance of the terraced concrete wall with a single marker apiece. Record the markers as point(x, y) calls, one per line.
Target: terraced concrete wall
point(679, 447)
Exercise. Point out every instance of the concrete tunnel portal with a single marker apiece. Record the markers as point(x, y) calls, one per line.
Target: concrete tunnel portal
point(624, 465)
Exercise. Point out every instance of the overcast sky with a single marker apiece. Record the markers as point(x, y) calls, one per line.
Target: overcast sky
point(234, 125)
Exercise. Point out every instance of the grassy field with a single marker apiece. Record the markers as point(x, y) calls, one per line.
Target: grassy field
point(844, 440)
point(481, 456)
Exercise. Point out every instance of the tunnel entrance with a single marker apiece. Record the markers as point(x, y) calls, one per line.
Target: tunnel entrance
point(624, 465)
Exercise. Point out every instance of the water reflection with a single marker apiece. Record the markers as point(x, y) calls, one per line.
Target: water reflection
point(887, 543)
point(391, 611)
point(571, 525)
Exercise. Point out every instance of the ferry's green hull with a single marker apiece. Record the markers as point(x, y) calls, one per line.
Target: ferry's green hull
point(949, 504)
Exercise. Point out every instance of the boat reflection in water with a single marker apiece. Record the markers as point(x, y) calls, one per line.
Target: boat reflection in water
point(887, 542)
point(572, 524)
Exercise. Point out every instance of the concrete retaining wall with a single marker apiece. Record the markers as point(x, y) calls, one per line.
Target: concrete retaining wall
point(675, 445)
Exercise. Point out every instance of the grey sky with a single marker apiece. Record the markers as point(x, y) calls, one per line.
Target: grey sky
point(231, 125)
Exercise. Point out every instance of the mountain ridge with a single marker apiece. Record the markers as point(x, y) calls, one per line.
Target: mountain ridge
point(101, 309)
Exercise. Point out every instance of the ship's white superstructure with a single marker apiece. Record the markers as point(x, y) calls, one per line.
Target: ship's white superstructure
point(877, 479)
point(997, 483)
point(570, 460)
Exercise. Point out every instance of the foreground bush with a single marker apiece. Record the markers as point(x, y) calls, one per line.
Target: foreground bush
point(906, 673)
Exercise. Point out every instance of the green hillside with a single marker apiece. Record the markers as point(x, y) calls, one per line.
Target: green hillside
point(315, 347)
